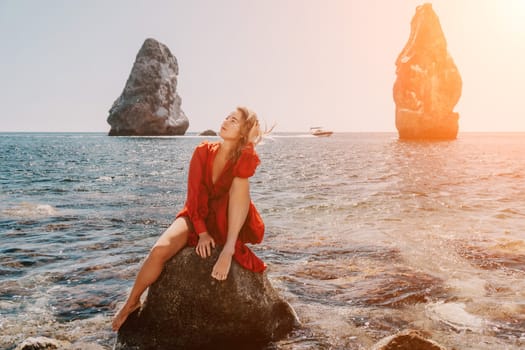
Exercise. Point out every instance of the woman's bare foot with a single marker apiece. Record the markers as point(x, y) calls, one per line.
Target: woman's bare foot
point(123, 314)
point(222, 266)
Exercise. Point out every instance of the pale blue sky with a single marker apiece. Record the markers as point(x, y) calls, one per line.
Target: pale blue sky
point(296, 62)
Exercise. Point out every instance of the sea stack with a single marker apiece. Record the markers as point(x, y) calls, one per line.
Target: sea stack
point(149, 104)
point(428, 83)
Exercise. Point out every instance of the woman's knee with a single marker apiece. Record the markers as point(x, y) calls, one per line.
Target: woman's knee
point(180, 225)
point(161, 253)
point(169, 244)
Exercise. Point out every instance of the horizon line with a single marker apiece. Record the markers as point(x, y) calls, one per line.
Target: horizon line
point(274, 132)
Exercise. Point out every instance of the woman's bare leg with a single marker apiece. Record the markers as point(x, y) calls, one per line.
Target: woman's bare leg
point(238, 207)
point(168, 244)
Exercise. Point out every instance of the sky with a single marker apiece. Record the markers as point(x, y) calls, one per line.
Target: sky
point(297, 63)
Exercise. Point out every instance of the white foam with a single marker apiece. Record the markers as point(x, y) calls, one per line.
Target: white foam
point(468, 287)
point(105, 178)
point(30, 210)
point(455, 315)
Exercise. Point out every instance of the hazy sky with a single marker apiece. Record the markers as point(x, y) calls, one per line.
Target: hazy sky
point(298, 63)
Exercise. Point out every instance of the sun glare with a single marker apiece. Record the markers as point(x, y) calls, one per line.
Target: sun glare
point(513, 15)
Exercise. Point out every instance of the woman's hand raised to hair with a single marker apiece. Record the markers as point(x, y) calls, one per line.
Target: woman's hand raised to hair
point(255, 133)
point(205, 245)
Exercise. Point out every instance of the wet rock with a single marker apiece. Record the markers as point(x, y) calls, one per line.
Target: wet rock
point(407, 340)
point(149, 104)
point(364, 276)
point(208, 132)
point(186, 309)
point(508, 256)
point(42, 343)
point(428, 83)
point(399, 288)
point(85, 346)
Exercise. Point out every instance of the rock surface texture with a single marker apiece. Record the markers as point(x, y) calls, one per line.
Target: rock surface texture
point(42, 343)
point(187, 309)
point(428, 83)
point(407, 340)
point(149, 104)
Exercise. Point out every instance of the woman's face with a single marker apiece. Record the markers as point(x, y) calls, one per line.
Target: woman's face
point(231, 126)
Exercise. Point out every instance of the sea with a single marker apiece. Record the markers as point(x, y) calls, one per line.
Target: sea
point(366, 235)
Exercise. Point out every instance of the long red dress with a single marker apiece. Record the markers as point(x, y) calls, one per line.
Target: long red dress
point(207, 202)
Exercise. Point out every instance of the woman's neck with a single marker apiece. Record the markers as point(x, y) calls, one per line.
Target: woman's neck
point(227, 147)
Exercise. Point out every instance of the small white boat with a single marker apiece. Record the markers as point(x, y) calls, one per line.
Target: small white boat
point(319, 131)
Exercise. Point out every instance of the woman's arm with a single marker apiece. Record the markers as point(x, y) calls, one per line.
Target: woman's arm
point(197, 201)
point(197, 197)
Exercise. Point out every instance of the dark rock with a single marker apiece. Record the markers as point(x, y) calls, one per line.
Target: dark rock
point(387, 285)
point(85, 346)
point(149, 104)
point(407, 340)
point(42, 343)
point(187, 309)
point(398, 288)
point(208, 132)
point(428, 83)
point(504, 256)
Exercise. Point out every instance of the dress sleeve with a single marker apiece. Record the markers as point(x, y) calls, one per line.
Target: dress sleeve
point(197, 197)
point(247, 162)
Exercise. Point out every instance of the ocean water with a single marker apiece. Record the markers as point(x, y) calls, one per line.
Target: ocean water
point(366, 235)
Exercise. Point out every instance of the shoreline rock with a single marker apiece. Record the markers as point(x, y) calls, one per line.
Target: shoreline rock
point(186, 308)
point(149, 104)
point(407, 340)
point(428, 84)
point(45, 343)
point(42, 343)
point(208, 132)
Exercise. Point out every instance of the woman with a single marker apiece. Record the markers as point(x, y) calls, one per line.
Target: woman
point(218, 209)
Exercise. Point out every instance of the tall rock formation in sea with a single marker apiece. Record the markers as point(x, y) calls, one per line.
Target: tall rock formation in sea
point(149, 104)
point(428, 83)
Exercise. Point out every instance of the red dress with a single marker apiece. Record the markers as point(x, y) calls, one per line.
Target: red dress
point(207, 202)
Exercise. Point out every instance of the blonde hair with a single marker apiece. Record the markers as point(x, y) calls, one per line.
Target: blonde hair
point(249, 120)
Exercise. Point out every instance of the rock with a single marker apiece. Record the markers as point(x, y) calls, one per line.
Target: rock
point(428, 83)
point(407, 340)
point(85, 346)
point(187, 309)
point(149, 104)
point(208, 132)
point(42, 343)
point(504, 256)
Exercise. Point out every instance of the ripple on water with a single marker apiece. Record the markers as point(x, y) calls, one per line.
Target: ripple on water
point(17, 260)
point(13, 289)
point(76, 302)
